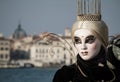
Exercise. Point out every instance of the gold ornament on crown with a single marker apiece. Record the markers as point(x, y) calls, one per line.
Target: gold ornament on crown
point(89, 10)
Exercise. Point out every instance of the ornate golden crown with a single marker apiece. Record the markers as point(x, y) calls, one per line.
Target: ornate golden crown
point(89, 10)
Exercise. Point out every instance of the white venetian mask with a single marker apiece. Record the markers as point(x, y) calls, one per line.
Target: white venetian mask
point(87, 45)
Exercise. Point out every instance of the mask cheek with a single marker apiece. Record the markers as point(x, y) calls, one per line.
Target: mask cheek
point(96, 49)
point(77, 46)
point(96, 46)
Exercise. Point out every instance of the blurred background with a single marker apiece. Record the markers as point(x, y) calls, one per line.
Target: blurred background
point(37, 16)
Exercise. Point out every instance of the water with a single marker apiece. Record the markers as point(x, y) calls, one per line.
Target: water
point(27, 75)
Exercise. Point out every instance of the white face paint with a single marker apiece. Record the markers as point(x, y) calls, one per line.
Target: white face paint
point(87, 45)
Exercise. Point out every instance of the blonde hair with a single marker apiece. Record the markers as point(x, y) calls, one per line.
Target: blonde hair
point(98, 28)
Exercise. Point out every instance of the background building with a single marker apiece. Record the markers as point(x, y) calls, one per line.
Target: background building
point(5, 48)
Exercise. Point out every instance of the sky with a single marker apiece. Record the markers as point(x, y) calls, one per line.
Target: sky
point(38, 16)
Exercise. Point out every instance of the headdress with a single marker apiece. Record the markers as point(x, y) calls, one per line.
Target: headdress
point(89, 10)
point(89, 17)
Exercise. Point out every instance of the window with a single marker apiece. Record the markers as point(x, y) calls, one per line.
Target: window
point(58, 51)
point(6, 56)
point(64, 56)
point(1, 48)
point(1, 43)
point(1, 56)
point(64, 49)
point(70, 48)
point(6, 48)
point(46, 50)
point(36, 50)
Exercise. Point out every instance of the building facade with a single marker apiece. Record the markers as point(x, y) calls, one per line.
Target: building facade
point(5, 48)
point(36, 50)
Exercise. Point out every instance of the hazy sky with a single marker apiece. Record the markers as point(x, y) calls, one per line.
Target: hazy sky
point(37, 16)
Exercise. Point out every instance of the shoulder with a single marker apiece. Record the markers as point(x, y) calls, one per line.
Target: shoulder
point(65, 73)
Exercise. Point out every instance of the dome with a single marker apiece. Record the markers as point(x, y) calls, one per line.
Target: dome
point(19, 33)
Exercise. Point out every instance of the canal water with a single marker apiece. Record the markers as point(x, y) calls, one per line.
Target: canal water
point(27, 74)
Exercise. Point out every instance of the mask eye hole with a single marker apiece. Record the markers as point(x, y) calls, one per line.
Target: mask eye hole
point(77, 40)
point(90, 39)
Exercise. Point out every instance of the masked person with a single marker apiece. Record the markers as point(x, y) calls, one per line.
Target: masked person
point(90, 38)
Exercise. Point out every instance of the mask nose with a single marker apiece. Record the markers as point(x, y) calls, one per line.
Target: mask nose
point(83, 46)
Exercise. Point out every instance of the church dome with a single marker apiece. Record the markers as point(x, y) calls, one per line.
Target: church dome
point(19, 33)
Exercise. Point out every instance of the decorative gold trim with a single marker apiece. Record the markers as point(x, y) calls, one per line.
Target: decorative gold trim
point(89, 17)
point(113, 79)
point(81, 70)
point(100, 64)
